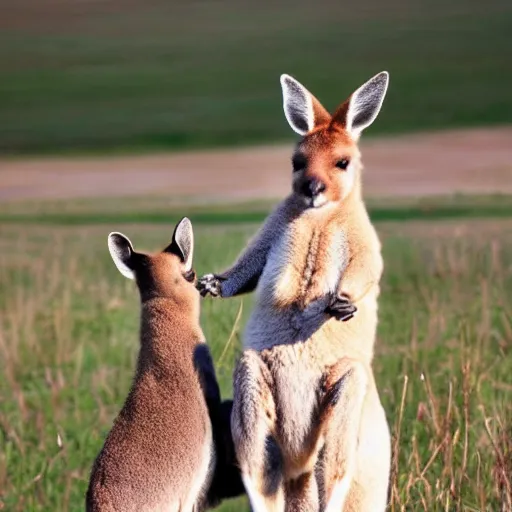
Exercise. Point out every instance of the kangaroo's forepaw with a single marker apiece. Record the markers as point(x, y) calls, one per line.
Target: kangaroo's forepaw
point(209, 284)
point(341, 308)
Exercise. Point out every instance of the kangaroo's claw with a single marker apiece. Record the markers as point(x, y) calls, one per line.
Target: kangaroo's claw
point(209, 284)
point(341, 308)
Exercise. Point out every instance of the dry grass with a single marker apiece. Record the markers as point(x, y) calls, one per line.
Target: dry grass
point(68, 338)
point(452, 421)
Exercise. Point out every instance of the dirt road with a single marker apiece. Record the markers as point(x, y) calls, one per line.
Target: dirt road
point(466, 161)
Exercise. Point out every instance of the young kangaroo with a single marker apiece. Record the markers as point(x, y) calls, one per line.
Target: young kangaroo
point(162, 451)
point(308, 426)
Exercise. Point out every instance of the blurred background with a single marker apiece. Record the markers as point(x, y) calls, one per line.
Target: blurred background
point(126, 115)
point(108, 74)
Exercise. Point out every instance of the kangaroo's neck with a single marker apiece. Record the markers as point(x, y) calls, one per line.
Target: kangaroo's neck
point(169, 333)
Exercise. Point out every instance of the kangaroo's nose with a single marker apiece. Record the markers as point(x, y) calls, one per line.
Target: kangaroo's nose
point(312, 187)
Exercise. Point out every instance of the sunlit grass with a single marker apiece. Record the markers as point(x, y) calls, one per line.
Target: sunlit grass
point(69, 337)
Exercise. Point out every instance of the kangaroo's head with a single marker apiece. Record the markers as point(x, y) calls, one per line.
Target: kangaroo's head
point(326, 162)
point(166, 274)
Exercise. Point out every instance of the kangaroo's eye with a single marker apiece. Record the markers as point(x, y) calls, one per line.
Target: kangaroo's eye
point(342, 164)
point(190, 276)
point(299, 162)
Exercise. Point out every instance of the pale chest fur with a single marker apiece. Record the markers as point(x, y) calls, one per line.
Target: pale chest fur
point(288, 325)
point(305, 263)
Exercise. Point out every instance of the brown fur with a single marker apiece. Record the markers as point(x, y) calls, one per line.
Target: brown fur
point(160, 454)
point(311, 370)
point(321, 150)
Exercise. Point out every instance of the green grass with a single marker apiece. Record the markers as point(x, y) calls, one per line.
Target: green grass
point(110, 76)
point(157, 210)
point(68, 342)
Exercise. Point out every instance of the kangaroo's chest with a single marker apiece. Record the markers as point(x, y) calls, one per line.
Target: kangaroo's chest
point(304, 264)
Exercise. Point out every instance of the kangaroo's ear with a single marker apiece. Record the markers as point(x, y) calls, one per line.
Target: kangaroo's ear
point(183, 242)
point(302, 110)
point(361, 109)
point(121, 250)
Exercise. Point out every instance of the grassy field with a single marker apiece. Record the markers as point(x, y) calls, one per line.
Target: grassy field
point(111, 75)
point(68, 342)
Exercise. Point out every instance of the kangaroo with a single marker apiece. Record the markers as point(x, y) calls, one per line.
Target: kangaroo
point(309, 430)
point(162, 451)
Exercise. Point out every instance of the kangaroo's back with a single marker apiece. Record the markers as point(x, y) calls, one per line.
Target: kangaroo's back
point(159, 454)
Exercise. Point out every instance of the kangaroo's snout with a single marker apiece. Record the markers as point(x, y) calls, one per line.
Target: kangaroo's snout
point(312, 187)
